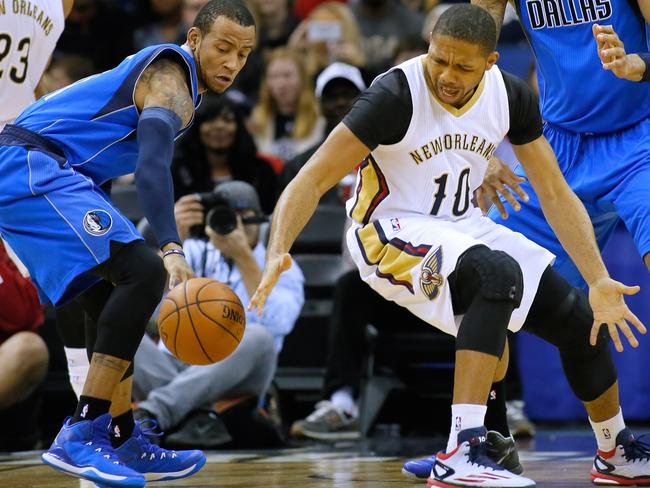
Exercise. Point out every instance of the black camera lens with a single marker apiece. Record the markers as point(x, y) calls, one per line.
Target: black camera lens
point(222, 219)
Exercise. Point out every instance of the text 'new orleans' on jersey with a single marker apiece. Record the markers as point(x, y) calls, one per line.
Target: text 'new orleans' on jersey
point(576, 93)
point(427, 157)
point(94, 120)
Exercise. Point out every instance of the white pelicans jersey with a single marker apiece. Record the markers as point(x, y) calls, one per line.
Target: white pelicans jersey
point(29, 31)
point(441, 159)
point(412, 210)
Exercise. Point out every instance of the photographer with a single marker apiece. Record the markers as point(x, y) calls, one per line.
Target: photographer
point(180, 397)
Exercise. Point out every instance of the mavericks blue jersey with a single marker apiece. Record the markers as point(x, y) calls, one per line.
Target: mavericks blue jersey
point(94, 120)
point(576, 93)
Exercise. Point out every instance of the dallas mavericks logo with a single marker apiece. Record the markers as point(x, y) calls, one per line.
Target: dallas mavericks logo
point(97, 222)
point(430, 278)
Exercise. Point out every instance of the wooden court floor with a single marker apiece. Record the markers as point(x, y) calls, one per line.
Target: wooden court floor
point(305, 469)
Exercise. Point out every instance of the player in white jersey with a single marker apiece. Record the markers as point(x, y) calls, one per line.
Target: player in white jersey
point(29, 31)
point(425, 132)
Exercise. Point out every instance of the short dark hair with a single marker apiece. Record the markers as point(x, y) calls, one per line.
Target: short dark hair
point(469, 23)
point(234, 10)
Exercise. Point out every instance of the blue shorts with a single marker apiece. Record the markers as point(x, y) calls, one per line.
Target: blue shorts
point(59, 223)
point(611, 175)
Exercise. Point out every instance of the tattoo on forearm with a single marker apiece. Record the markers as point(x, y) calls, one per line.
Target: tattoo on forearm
point(110, 362)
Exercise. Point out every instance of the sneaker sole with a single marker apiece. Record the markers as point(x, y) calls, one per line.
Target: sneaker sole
point(92, 474)
point(440, 484)
point(334, 436)
point(602, 479)
point(175, 475)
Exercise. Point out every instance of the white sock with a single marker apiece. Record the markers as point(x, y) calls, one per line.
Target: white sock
point(607, 430)
point(343, 400)
point(464, 416)
point(77, 368)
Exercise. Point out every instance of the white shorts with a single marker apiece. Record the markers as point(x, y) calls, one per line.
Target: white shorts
point(407, 260)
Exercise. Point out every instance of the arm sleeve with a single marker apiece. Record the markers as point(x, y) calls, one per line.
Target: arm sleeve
point(157, 128)
point(525, 119)
point(382, 114)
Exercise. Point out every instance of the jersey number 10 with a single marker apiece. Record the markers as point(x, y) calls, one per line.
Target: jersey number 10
point(18, 74)
point(461, 197)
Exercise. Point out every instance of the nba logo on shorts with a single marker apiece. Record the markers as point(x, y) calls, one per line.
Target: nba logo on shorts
point(97, 222)
point(396, 225)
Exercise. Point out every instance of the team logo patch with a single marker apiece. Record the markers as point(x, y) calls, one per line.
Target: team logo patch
point(430, 278)
point(97, 222)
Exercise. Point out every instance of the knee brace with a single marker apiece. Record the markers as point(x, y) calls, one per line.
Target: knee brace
point(489, 286)
point(590, 370)
point(493, 274)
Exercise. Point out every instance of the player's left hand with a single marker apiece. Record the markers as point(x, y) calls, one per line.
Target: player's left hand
point(275, 266)
point(177, 269)
point(611, 52)
point(499, 179)
point(606, 298)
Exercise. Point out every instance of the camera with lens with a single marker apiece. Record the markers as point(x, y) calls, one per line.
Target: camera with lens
point(220, 216)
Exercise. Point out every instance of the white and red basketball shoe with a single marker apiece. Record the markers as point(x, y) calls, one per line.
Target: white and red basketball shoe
point(469, 465)
point(626, 465)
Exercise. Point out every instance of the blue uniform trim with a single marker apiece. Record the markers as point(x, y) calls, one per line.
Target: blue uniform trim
point(156, 130)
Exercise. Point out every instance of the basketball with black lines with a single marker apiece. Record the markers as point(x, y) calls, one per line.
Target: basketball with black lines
point(201, 321)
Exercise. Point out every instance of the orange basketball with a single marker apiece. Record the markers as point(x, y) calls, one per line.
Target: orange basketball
point(201, 321)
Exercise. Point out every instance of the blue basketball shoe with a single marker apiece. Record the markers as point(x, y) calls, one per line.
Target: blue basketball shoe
point(154, 462)
point(84, 449)
point(501, 450)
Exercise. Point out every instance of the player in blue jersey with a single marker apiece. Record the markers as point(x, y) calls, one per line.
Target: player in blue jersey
point(599, 127)
point(77, 246)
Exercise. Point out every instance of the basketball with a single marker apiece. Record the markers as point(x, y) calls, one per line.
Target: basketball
point(201, 321)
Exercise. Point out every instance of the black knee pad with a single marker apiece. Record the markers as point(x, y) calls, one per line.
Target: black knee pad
point(499, 274)
point(590, 370)
point(138, 265)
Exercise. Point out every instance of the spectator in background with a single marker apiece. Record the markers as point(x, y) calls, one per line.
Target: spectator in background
point(97, 30)
point(219, 148)
point(330, 33)
point(65, 70)
point(336, 88)
point(180, 396)
point(286, 120)
point(275, 22)
point(23, 357)
point(408, 48)
point(189, 10)
point(166, 28)
point(383, 23)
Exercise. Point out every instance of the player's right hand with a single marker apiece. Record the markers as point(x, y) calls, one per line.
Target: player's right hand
point(188, 212)
point(177, 269)
point(499, 179)
point(275, 266)
point(611, 52)
point(606, 298)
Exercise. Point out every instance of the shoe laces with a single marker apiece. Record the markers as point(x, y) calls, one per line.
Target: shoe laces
point(478, 454)
point(637, 450)
point(149, 428)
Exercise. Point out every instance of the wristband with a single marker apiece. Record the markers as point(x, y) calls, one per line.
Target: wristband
point(646, 59)
point(173, 251)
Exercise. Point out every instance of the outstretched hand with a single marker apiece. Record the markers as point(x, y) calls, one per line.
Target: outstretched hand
point(177, 269)
point(275, 266)
point(606, 298)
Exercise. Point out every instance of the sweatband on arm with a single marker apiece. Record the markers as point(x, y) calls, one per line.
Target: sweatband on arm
point(646, 59)
point(157, 128)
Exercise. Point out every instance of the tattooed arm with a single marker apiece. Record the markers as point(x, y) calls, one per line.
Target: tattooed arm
point(164, 84)
point(497, 9)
